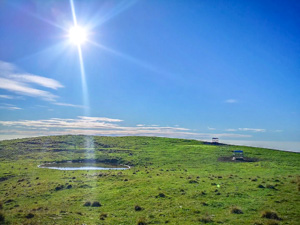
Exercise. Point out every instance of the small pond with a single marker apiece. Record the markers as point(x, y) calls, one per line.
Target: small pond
point(83, 166)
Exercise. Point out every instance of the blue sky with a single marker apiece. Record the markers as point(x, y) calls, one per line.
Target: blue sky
point(192, 69)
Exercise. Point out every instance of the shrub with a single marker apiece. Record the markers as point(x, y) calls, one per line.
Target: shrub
point(137, 208)
point(2, 218)
point(162, 195)
point(270, 215)
point(103, 216)
point(206, 219)
point(87, 204)
point(141, 221)
point(29, 216)
point(236, 210)
point(96, 204)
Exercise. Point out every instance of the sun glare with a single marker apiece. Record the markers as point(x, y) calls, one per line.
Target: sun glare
point(77, 35)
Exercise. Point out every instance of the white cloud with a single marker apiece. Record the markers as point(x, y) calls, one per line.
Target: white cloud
point(42, 81)
point(231, 130)
point(211, 128)
point(252, 129)
point(17, 82)
point(102, 126)
point(67, 104)
point(231, 101)
point(23, 89)
point(9, 107)
point(7, 96)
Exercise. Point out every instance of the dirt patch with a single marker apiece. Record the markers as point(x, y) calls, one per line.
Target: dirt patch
point(229, 159)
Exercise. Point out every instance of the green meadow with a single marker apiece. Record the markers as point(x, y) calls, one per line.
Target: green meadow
point(171, 181)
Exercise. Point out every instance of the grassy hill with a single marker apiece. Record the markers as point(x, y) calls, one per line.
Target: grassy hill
point(171, 181)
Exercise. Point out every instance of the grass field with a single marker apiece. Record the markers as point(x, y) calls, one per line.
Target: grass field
point(171, 181)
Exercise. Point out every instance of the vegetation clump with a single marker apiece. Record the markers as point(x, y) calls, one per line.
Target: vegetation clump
point(103, 216)
point(236, 210)
point(2, 218)
point(138, 208)
point(29, 215)
point(270, 215)
point(87, 204)
point(141, 221)
point(60, 187)
point(161, 195)
point(206, 219)
point(96, 204)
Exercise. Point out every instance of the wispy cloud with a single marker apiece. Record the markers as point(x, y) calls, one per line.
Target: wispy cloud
point(231, 101)
point(67, 104)
point(231, 130)
point(7, 96)
point(9, 107)
point(24, 84)
point(252, 129)
point(102, 126)
point(19, 83)
point(42, 81)
point(211, 128)
point(246, 129)
point(23, 89)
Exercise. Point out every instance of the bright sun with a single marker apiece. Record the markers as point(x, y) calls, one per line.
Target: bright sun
point(77, 35)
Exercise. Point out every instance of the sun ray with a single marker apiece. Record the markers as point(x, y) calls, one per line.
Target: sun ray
point(89, 141)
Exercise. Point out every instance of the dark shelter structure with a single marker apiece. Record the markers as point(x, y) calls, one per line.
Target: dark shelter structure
point(237, 155)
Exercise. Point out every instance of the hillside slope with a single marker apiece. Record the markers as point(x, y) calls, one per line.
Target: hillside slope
point(173, 181)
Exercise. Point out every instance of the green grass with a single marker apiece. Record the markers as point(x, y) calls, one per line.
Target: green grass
point(174, 181)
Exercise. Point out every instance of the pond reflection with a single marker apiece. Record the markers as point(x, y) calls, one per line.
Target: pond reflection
point(83, 166)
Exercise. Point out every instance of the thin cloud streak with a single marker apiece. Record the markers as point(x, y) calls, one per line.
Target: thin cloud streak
point(23, 89)
point(68, 104)
point(252, 129)
point(20, 83)
point(102, 126)
point(10, 107)
point(14, 81)
point(7, 96)
point(231, 101)
point(246, 129)
point(43, 81)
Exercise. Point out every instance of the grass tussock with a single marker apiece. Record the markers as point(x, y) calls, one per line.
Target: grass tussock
point(2, 218)
point(236, 210)
point(206, 219)
point(142, 221)
point(270, 215)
